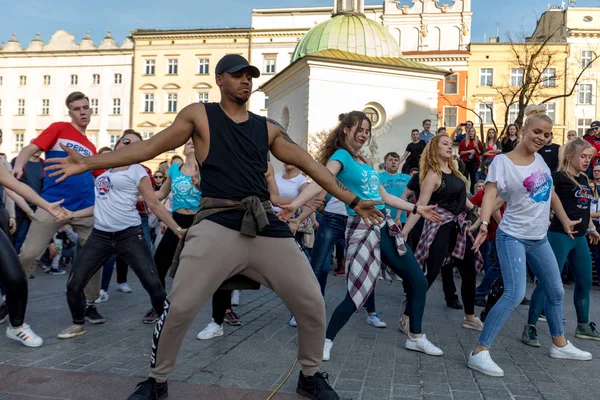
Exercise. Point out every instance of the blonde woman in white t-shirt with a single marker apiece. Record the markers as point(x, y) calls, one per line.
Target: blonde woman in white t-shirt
point(118, 230)
point(523, 180)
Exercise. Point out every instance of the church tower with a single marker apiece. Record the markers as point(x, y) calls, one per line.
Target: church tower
point(348, 7)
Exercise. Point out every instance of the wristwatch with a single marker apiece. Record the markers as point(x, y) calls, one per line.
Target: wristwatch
point(415, 209)
point(178, 230)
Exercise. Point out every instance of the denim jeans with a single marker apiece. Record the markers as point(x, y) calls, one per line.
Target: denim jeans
point(332, 228)
point(132, 246)
point(514, 254)
point(492, 271)
point(21, 233)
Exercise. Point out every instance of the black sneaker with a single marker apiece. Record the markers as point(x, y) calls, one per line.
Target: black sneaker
point(93, 316)
point(3, 312)
point(150, 390)
point(316, 387)
point(151, 317)
point(455, 304)
point(232, 319)
point(525, 301)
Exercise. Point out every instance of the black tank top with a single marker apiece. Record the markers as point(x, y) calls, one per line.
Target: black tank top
point(235, 166)
point(451, 195)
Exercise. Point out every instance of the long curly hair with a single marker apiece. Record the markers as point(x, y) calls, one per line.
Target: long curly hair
point(337, 138)
point(430, 160)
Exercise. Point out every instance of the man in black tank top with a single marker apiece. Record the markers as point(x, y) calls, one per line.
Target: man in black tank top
point(237, 232)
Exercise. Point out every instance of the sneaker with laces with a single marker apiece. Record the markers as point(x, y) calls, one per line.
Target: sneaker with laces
point(292, 321)
point(150, 390)
point(569, 352)
point(316, 387)
point(103, 297)
point(211, 331)
point(404, 325)
point(232, 318)
point(3, 312)
point(482, 362)
point(56, 271)
point(25, 335)
point(585, 331)
point(72, 331)
point(151, 317)
point(124, 288)
point(327, 349)
point(235, 298)
point(474, 324)
point(93, 316)
point(375, 320)
point(423, 345)
point(529, 336)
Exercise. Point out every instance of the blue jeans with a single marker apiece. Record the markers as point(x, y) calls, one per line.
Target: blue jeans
point(21, 233)
point(514, 254)
point(332, 228)
point(491, 271)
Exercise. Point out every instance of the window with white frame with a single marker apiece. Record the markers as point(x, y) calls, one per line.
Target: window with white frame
point(549, 77)
point(149, 67)
point(202, 97)
point(45, 106)
point(172, 66)
point(113, 140)
point(116, 107)
point(47, 80)
point(96, 79)
point(93, 137)
point(74, 79)
point(22, 80)
point(270, 65)
point(451, 84)
point(19, 141)
point(486, 77)
point(550, 110)
point(94, 106)
point(149, 102)
point(516, 76)
point(485, 112)
point(585, 93)
point(582, 125)
point(586, 58)
point(203, 66)
point(118, 79)
point(147, 135)
point(450, 116)
point(513, 112)
point(21, 107)
point(172, 102)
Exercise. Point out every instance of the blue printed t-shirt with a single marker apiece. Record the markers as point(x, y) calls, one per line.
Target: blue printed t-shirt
point(360, 179)
point(395, 185)
point(77, 190)
point(185, 194)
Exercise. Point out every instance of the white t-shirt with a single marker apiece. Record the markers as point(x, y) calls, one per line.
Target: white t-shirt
point(289, 187)
point(335, 206)
point(116, 196)
point(527, 191)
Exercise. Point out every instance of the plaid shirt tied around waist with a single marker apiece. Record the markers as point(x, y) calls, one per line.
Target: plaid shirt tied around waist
point(363, 255)
point(430, 230)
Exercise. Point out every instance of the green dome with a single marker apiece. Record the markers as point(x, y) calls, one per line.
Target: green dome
point(352, 33)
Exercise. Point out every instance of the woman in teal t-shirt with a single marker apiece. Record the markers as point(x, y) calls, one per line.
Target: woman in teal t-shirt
point(368, 247)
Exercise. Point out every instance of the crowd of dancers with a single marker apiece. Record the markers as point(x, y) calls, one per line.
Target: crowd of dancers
point(229, 223)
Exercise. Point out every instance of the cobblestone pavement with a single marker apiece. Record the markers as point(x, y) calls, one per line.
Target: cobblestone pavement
point(366, 363)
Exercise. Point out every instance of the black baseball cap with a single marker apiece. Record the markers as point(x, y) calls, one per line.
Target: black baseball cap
point(595, 124)
point(234, 63)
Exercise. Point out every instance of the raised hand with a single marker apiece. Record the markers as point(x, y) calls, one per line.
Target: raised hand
point(367, 211)
point(569, 226)
point(73, 164)
point(287, 212)
point(428, 212)
point(483, 231)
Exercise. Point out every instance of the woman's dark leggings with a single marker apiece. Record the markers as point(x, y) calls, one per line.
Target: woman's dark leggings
point(444, 241)
point(163, 258)
point(221, 302)
point(408, 269)
point(13, 277)
point(471, 167)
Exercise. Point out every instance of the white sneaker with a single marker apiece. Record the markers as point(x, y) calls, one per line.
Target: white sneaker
point(327, 350)
point(103, 297)
point(25, 335)
point(123, 287)
point(292, 321)
point(569, 352)
point(235, 298)
point(482, 362)
point(212, 330)
point(375, 321)
point(423, 345)
point(474, 324)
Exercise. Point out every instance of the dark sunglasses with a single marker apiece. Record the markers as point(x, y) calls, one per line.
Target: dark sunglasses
point(158, 176)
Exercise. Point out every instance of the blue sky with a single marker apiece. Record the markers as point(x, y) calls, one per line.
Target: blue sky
point(26, 17)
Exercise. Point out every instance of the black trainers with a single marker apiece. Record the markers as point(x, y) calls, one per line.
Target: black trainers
point(150, 390)
point(93, 316)
point(316, 387)
point(3, 312)
point(456, 304)
point(525, 301)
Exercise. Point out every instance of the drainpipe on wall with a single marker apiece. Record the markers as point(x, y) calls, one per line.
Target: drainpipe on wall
point(249, 59)
point(131, 91)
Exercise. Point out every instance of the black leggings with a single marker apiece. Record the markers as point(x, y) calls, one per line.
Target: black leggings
point(471, 167)
point(163, 258)
point(444, 241)
point(221, 302)
point(13, 277)
point(408, 269)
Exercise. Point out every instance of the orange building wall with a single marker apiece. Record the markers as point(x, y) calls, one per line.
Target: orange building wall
point(456, 100)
